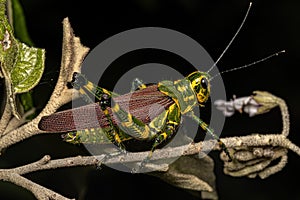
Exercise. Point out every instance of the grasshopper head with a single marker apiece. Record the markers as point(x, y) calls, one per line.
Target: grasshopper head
point(78, 80)
point(200, 85)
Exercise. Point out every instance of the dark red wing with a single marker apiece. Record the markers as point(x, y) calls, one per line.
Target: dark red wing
point(143, 104)
point(84, 117)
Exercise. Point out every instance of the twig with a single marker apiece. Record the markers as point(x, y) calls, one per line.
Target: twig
point(159, 154)
point(7, 113)
point(255, 153)
point(15, 123)
point(39, 191)
point(47, 163)
point(14, 175)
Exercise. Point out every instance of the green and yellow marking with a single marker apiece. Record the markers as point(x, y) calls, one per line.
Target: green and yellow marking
point(186, 93)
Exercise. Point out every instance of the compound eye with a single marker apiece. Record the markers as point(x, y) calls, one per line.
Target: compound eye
point(204, 83)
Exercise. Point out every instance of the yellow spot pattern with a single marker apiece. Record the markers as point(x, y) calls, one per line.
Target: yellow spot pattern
point(89, 86)
point(116, 108)
point(164, 135)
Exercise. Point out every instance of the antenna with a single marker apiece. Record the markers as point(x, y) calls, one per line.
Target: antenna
point(231, 39)
point(248, 65)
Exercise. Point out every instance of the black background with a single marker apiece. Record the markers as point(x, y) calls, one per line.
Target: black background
point(271, 26)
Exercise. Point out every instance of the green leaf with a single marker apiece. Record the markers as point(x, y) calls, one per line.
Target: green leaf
point(28, 68)
point(2, 7)
point(26, 101)
point(22, 66)
point(18, 21)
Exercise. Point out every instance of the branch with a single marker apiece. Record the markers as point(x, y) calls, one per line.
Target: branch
point(279, 143)
point(7, 114)
point(40, 192)
point(73, 55)
point(160, 154)
point(254, 155)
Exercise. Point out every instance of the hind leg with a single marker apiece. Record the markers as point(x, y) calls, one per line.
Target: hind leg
point(172, 121)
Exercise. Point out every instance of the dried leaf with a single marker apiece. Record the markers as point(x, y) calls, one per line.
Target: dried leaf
point(192, 173)
point(258, 103)
point(266, 100)
point(241, 104)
